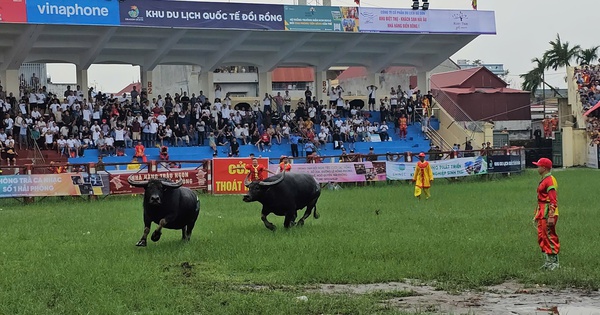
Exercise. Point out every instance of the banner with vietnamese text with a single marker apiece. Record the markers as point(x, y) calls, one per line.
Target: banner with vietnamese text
point(340, 172)
point(505, 163)
point(441, 169)
point(426, 21)
point(228, 179)
point(189, 14)
point(192, 178)
point(42, 185)
point(320, 18)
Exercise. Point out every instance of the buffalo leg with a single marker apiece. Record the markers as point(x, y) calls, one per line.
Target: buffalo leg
point(184, 233)
point(312, 205)
point(158, 232)
point(142, 242)
point(268, 224)
point(147, 222)
point(290, 220)
point(188, 231)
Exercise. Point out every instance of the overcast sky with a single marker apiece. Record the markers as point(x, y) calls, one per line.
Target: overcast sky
point(524, 29)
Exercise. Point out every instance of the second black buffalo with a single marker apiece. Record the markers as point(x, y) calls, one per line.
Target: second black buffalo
point(283, 195)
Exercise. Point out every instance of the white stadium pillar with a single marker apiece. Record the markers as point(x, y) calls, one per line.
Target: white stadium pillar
point(265, 84)
point(82, 80)
point(320, 88)
point(147, 84)
point(9, 79)
point(207, 85)
point(423, 81)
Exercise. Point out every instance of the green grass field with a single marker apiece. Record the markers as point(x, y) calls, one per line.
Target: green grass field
point(70, 256)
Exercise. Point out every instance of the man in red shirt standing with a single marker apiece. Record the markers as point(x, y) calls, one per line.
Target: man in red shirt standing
point(256, 171)
point(546, 214)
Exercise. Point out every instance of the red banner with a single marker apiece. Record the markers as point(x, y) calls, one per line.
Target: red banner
point(13, 11)
point(193, 179)
point(228, 180)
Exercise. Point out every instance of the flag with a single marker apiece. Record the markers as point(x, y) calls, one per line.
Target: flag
point(357, 2)
point(474, 4)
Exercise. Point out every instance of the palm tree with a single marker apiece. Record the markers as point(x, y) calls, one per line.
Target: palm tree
point(560, 54)
point(533, 79)
point(587, 56)
point(536, 77)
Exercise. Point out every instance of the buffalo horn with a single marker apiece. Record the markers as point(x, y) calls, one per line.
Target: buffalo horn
point(263, 183)
point(170, 184)
point(246, 181)
point(136, 183)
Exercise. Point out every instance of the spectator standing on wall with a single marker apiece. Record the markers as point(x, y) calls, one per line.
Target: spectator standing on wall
point(371, 92)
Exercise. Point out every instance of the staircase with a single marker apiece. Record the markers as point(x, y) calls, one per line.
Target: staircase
point(39, 157)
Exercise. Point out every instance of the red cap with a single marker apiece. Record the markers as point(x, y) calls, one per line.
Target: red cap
point(421, 154)
point(544, 162)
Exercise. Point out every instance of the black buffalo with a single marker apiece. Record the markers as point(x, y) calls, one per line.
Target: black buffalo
point(283, 195)
point(169, 205)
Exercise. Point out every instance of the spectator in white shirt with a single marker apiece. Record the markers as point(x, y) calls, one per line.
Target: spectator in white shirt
point(119, 137)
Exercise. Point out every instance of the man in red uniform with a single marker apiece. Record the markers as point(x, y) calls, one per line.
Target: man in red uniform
point(284, 164)
point(547, 124)
point(257, 171)
point(403, 122)
point(546, 214)
point(140, 152)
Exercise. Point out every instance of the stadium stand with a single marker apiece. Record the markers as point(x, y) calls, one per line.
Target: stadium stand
point(587, 79)
point(82, 127)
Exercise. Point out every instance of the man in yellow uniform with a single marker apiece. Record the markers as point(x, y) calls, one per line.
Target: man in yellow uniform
point(423, 177)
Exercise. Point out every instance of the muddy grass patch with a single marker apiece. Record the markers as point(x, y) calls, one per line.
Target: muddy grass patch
point(509, 297)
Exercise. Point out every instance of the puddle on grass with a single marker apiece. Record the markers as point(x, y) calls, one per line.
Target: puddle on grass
point(578, 310)
point(507, 298)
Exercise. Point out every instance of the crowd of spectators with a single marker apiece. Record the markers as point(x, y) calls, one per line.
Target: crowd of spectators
point(587, 79)
point(77, 120)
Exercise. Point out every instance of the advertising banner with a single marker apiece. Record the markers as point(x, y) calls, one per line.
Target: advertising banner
point(13, 11)
point(426, 21)
point(505, 163)
point(320, 18)
point(66, 184)
point(192, 178)
point(227, 179)
point(190, 14)
point(441, 169)
point(88, 12)
point(592, 156)
point(340, 172)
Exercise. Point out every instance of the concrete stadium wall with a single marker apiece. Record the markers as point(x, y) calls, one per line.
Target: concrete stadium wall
point(574, 146)
point(574, 100)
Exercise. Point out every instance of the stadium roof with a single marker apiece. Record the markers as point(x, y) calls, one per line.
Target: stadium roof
point(84, 45)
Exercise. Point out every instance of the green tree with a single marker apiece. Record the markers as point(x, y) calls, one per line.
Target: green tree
point(560, 54)
point(587, 56)
point(536, 78)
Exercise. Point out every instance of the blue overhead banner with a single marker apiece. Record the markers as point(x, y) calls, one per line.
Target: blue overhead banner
point(187, 14)
point(82, 12)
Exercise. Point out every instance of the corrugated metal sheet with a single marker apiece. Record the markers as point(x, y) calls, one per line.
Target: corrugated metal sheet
point(475, 77)
point(293, 75)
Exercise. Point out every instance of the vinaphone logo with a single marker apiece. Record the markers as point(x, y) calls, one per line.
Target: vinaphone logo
point(72, 10)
